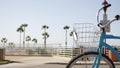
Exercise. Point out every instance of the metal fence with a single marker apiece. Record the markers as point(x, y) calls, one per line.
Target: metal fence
point(30, 49)
point(38, 51)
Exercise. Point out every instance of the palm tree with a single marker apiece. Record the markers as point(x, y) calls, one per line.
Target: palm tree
point(34, 40)
point(45, 27)
point(28, 38)
point(4, 40)
point(11, 45)
point(71, 33)
point(20, 29)
point(66, 28)
point(24, 26)
point(45, 34)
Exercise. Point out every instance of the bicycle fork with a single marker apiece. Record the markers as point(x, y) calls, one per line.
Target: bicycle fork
point(97, 59)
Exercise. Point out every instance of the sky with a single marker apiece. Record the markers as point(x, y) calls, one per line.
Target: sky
point(53, 13)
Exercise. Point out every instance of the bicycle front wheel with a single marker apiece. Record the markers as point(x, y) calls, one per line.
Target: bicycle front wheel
point(86, 60)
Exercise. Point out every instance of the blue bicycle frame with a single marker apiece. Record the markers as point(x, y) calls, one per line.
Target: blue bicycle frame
point(101, 44)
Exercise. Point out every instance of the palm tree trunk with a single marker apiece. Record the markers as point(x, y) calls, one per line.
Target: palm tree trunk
point(24, 39)
point(20, 42)
point(45, 43)
point(28, 45)
point(45, 40)
point(66, 40)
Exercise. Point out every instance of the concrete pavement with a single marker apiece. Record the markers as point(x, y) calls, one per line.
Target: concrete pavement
point(36, 62)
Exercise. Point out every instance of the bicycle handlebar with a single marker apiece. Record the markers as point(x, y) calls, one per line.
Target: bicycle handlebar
point(117, 17)
point(105, 7)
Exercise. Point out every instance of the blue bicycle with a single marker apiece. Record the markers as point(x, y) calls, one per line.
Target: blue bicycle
point(97, 59)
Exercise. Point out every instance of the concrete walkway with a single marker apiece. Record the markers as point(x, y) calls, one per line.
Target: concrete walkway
point(27, 62)
point(38, 62)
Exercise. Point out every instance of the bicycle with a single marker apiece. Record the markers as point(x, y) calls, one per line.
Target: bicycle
point(97, 59)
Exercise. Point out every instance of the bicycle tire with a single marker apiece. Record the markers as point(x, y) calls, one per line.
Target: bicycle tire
point(80, 61)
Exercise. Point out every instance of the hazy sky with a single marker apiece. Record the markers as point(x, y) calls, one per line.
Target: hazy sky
point(54, 13)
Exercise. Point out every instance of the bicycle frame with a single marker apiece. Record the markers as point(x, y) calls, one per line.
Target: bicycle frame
point(101, 44)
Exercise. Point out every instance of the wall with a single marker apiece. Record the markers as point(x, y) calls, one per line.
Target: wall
point(2, 54)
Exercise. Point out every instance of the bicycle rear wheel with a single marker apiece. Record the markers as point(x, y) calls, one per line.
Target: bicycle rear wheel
point(86, 60)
